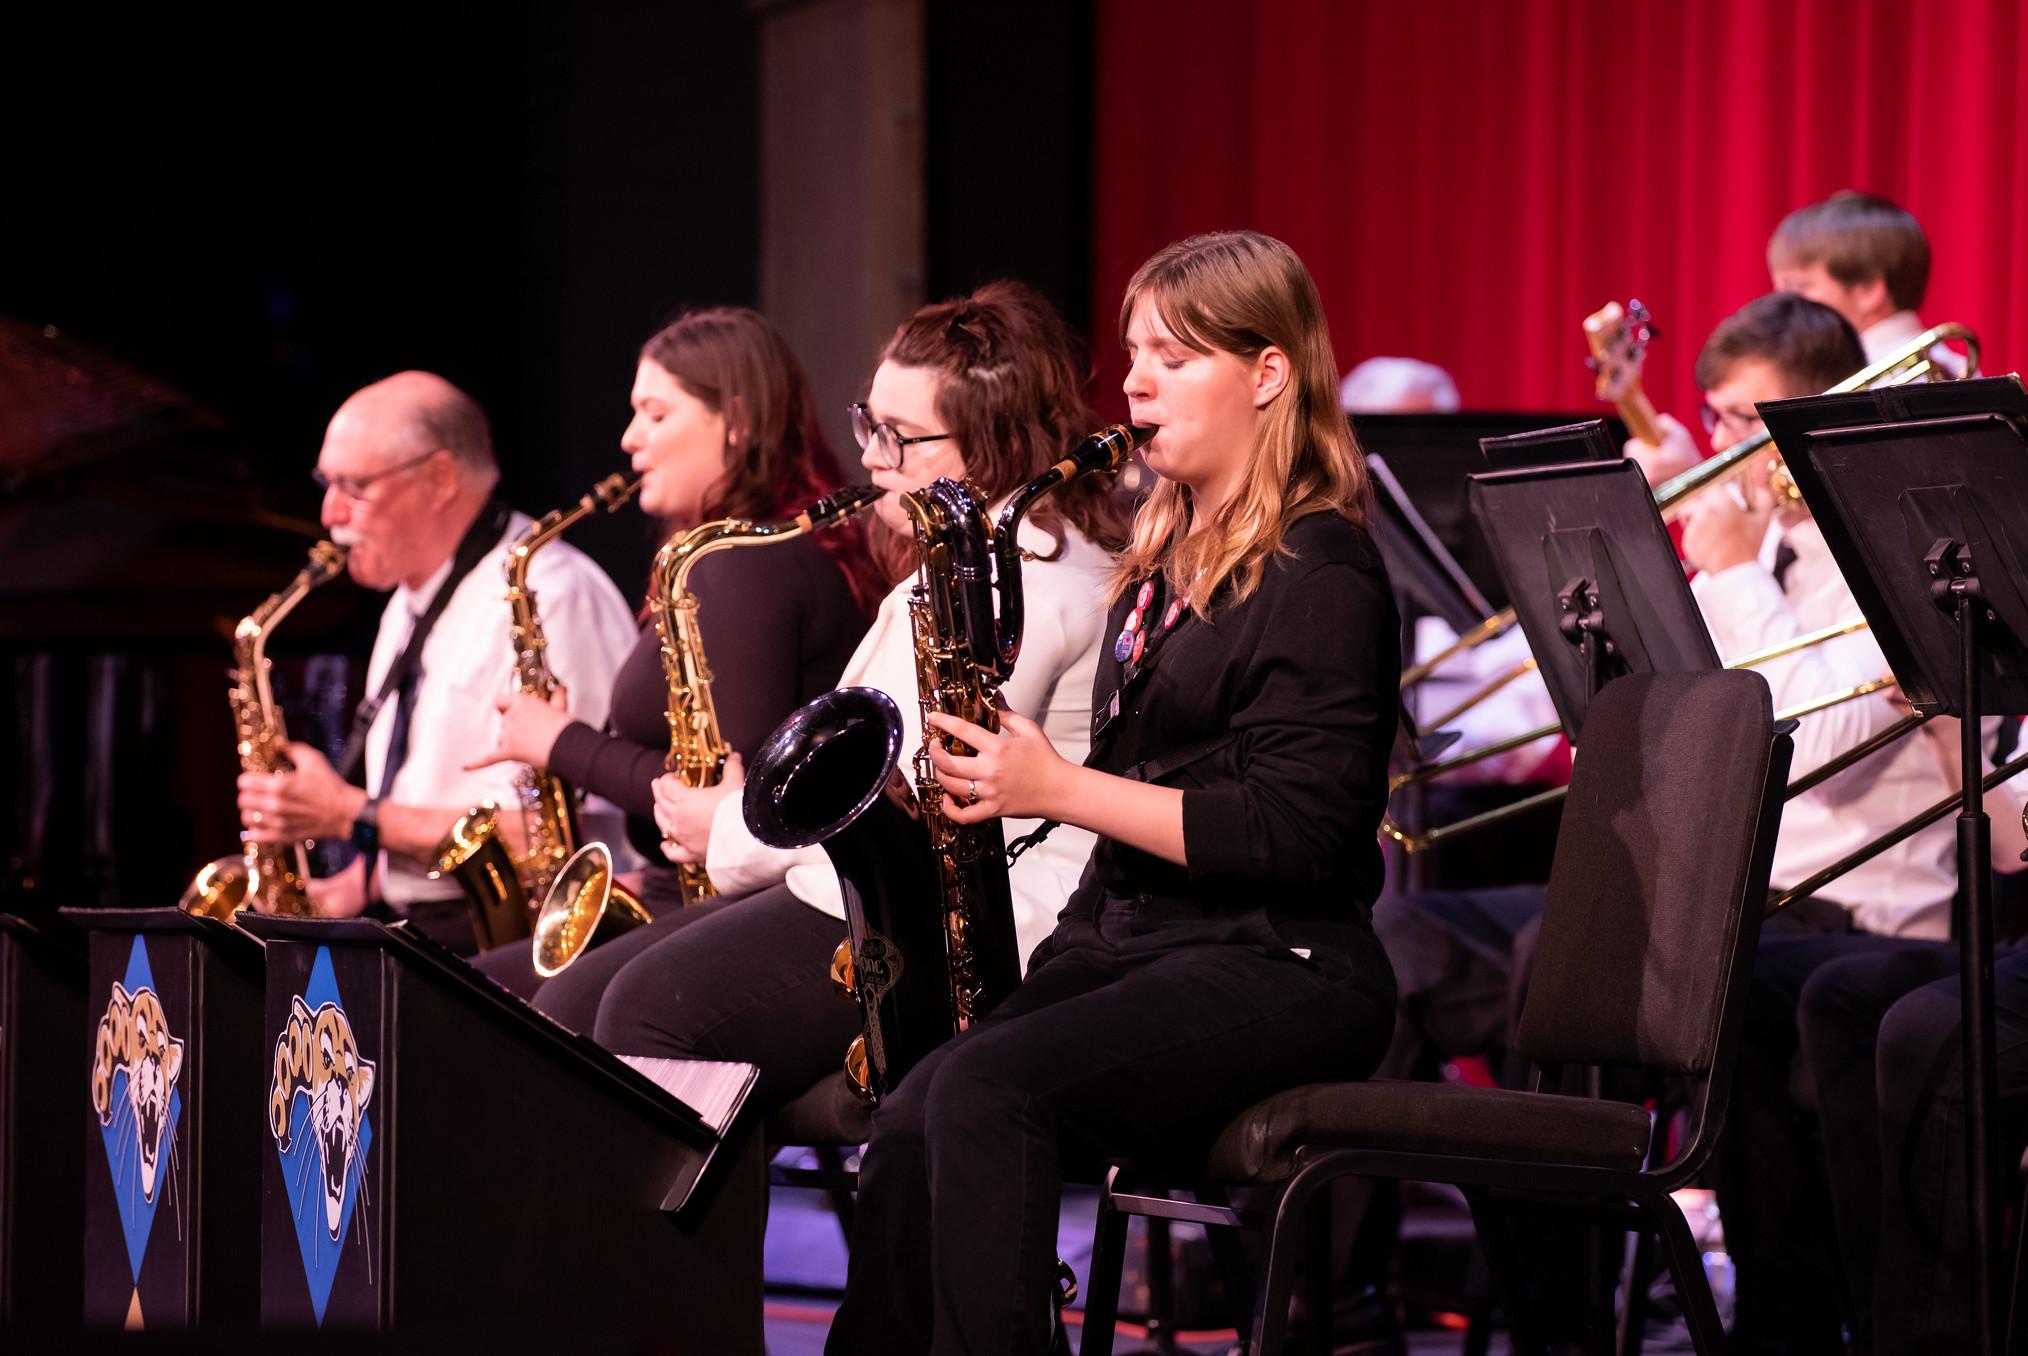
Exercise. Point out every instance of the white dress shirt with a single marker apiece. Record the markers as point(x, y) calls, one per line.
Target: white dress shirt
point(467, 662)
point(1522, 704)
point(1065, 617)
point(1884, 336)
point(1907, 890)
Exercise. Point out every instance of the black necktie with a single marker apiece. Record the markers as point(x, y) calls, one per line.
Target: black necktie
point(2007, 740)
point(404, 695)
point(1785, 557)
point(400, 680)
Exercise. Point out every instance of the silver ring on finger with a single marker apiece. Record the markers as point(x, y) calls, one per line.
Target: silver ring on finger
point(974, 799)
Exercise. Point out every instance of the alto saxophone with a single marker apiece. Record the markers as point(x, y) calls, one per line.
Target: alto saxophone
point(498, 884)
point(828, 775)
point(268, 877)
point(570, 917)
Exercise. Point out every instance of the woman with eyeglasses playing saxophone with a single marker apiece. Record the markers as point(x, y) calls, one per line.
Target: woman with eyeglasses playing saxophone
point(1217, 949)
point(987, 387)
point(723, 426)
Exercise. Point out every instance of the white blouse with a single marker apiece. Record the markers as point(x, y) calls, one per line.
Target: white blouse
point(1065, 605)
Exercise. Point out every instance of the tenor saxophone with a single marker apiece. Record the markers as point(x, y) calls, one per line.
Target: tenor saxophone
point(497, 884)
point(570, 917)
point(268, 877)
point(828, 775)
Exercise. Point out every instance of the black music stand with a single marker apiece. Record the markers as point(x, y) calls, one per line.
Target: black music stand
point(1586, 440)
point(172, 1029)
point(1433, 456)
point(42, 1005)
point(1417, 562)
point(1922, 496)
point(436, 1153)
point(1594, 578)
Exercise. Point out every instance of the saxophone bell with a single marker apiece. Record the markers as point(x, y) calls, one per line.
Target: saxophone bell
point(584, 908)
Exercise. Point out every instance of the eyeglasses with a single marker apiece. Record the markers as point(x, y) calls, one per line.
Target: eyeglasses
point(355, 487)
point(1741, 423)
point(883, 435)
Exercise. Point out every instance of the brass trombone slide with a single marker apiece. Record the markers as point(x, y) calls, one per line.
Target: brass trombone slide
point(1429, 838)
point(1908, 828)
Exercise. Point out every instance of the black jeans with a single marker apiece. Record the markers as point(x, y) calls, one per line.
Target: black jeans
point(745, 980)
point(1882, 1039)
point(1772, 1193)
point(1132, 1036)
point(572, 998)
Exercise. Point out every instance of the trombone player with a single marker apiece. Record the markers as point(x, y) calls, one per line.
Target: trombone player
point(1764, 576)
point(409, 481)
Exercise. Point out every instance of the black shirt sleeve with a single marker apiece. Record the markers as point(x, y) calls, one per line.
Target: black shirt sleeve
point(622, 768)
point(1308, 740)
point(778, 624)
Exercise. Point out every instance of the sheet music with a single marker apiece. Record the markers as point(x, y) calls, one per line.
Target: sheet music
point(712, 1088)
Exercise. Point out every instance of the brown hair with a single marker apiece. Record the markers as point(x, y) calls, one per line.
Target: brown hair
point(1241, 292)
point(738, 364)
point(1012, 396)
point(1811, 345)
point(1856, 237)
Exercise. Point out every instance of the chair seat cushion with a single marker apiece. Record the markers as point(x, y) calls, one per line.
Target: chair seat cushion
point(827, 1112)
point(1435, 1118)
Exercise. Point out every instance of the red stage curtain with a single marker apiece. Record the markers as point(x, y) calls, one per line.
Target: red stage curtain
point(1468, 179)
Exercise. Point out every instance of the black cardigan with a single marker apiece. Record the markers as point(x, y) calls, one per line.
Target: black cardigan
point(778, 623)
point(1292, 697)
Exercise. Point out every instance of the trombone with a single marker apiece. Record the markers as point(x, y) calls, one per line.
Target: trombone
point(1415, 842)
point(1913, 361)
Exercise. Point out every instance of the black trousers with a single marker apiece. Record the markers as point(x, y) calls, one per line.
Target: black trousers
point(1132, 1035)
point(745, 980)
point(1882, 1039)
point(572, 997)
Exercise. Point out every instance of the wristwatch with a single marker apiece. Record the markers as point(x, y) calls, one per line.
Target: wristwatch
point(366, 828)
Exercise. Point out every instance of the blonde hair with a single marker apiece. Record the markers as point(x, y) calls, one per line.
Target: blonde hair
point(1241, 292)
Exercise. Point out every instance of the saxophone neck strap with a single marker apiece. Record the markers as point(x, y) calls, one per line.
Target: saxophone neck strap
point(479, 540)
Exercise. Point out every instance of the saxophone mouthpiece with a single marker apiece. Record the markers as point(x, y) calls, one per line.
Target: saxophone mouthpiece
point(844, 503)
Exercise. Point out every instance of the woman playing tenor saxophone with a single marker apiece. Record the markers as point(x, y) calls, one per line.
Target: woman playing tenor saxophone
point(987, 387)
point(723, 427)
point(1218, 948)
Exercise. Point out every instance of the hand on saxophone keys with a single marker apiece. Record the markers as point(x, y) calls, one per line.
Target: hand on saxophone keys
point(684, 813)
point(311, 802)
point(528, 729)
point(1013, 773)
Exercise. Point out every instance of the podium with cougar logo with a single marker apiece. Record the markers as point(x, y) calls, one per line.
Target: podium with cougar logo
point(435, 1152)
point(171, 1029)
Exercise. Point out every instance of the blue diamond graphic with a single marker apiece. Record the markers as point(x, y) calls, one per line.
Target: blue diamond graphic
point(121, 1135)
point(303, 1161)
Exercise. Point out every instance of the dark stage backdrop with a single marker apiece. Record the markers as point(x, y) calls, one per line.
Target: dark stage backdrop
point(1468, 180)
point(270, 214)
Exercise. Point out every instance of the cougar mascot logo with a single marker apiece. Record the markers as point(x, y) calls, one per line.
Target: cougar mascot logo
point(316, 1057)
point(134, 1036)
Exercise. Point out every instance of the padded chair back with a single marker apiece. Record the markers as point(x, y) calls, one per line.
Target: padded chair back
point(1660, 874)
